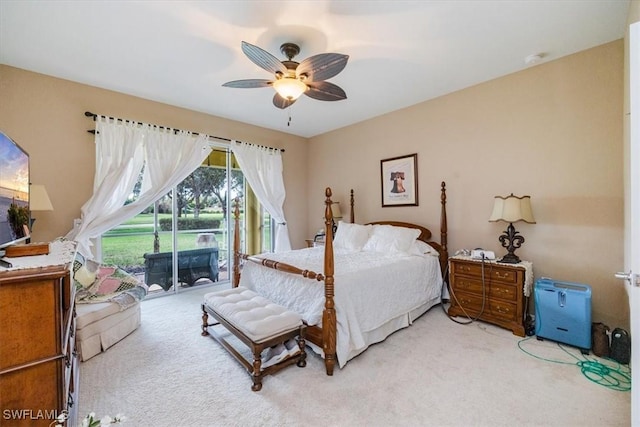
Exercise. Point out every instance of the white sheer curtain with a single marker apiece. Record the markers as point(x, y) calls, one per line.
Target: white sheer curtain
point(122, 149)
point(169, 159)
point(262, 167)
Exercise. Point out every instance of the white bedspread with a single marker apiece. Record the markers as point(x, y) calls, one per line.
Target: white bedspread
point(370, 289)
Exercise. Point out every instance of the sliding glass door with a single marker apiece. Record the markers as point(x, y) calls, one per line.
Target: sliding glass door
point(185, 238)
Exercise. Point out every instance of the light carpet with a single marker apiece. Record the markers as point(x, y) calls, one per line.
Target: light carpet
point(434, 373)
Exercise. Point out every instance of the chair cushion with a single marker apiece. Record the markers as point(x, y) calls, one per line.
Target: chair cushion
point(100, 326)
point(257, 317)
point(90, 313)
point(95, 337)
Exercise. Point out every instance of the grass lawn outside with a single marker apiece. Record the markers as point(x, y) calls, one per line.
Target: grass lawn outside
point(126, 244)
point(126, 251)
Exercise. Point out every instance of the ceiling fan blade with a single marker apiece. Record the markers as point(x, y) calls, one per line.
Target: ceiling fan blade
point(323, 66)
point(248, 83)
point(263, 59)
point(325, 91)
point(281, 102)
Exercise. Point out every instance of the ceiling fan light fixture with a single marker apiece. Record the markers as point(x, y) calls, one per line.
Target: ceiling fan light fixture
point(290, 78)
point(289, 88)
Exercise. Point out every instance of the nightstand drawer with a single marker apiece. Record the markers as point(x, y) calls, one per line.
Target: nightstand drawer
point(493, 289)
point(472, 304)
point(491, 271)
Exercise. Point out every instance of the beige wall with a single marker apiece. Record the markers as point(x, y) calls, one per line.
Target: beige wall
point(553, 131)
point(45, 116)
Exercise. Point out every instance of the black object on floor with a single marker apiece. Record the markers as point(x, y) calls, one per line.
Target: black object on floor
point(620, 346)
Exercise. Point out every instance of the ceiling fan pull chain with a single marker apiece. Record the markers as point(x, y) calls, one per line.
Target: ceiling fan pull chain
point(289, 121)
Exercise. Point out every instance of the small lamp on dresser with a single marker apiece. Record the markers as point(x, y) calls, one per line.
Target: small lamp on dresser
point(512, 209)
point(39, 200)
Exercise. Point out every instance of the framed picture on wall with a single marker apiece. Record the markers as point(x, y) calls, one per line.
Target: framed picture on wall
point(399, 181)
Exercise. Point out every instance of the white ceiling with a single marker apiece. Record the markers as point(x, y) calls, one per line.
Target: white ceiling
point(401, 52)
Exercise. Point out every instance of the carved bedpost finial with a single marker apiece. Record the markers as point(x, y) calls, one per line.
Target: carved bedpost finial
point(328, 214)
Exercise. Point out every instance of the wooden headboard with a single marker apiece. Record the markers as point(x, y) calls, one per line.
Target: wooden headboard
point(425, 233)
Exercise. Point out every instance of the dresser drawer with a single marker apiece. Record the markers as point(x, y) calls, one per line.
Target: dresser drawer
point(491, 271)
point(28, 389)
point(472, 304)
point(491, 288)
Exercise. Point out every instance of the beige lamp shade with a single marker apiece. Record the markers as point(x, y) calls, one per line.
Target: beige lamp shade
point(39, 200)
point(335, 210)
point(512, 209)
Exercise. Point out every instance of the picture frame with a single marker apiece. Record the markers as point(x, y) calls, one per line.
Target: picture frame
point(399, 181)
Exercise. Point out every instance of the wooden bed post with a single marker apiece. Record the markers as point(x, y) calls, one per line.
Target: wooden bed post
point(353, 214)
point(329, 324)
point(443, 227)
point(443, 216)
point(236, 243)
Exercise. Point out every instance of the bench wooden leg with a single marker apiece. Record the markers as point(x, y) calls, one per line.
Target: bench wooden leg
point(205, 322)
point(256, 375)
point(302, 361)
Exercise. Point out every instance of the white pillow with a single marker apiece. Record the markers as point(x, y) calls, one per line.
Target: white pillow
point(351, 236)
point(388, 238)
point(421, 248)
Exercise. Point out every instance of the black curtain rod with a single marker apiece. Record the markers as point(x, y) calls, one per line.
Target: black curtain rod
point(92, 115)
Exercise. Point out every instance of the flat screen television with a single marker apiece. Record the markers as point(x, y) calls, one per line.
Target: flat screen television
point(15, 216)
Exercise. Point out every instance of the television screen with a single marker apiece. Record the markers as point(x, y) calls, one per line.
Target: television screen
point(14, 192)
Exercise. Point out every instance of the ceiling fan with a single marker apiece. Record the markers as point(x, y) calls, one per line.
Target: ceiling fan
point(292, 79)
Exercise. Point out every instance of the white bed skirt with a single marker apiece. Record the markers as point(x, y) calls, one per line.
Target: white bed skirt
point(381, 333)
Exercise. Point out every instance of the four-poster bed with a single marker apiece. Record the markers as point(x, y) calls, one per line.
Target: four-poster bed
point(402, 286)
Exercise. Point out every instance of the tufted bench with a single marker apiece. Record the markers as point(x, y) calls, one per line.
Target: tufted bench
point(258, 323)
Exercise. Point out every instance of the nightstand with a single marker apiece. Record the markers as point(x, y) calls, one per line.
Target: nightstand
point(504, 291)
point(312, 243)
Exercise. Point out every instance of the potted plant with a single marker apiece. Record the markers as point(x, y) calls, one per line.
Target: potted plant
point(18, 218)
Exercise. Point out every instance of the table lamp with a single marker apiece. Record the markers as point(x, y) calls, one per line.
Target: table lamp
point(512, 209)
point(39, 200)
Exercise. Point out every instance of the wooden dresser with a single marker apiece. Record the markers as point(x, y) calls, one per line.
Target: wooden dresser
point(503, 290)
point(38, 363)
